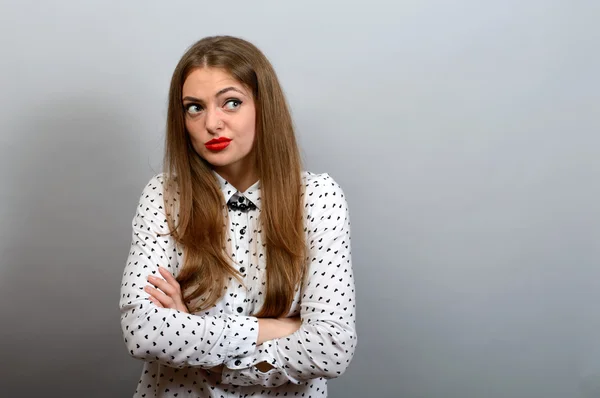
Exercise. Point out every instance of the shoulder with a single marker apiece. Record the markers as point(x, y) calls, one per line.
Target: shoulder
point(159, 192)
point(157, 180)
point(323, 192)
point(154, 188)
point(323, 181)
point(155, 204)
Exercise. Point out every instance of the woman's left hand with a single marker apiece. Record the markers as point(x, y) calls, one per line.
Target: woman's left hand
point(166, 292)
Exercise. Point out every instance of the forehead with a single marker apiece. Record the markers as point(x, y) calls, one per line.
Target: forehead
point(207, 82)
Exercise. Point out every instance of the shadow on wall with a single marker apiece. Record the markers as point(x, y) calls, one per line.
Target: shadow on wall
point(72, 187)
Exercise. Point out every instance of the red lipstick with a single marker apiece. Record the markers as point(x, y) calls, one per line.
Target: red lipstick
point(217, 144)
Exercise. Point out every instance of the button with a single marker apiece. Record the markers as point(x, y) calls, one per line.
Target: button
point(238, 362)
point(243, 231)
point(241, 199)
point(242, 270)
point(240, 309)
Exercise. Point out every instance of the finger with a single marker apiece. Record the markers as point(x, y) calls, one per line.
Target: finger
point(151, 292)
point(168, 277)
point(164, 299)
point(163, 285)
point(155, 302)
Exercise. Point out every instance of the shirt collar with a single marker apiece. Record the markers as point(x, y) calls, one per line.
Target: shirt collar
point(228, 190)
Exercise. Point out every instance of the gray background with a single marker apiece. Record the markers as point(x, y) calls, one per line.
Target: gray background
point(464, 133)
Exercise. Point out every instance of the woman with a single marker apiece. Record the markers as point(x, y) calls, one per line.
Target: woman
point(263, 299)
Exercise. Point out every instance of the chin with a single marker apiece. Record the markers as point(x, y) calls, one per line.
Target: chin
point(217, 161)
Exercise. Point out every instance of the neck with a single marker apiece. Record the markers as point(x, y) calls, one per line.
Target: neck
point(241, 176)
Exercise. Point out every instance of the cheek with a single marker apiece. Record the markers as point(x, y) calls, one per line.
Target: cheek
point(189, 126)
point(250, 127)
point(193, 130)
point(195, 135)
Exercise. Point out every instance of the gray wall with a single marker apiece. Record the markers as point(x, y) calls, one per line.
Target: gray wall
point(464, 133)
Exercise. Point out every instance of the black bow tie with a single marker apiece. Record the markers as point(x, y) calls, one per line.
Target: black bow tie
point(241, 204)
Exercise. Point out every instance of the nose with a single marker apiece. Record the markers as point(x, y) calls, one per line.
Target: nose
point(213, 121)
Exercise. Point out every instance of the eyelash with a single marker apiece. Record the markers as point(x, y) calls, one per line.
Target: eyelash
point(188, 106)
point(239, 102)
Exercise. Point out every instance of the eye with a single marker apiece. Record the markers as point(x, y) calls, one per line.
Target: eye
point(233, 104)
point(193, 109)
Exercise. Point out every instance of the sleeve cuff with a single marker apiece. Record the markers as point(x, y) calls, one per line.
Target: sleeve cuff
point(242, 333)
point(251, 376)
point(243, 372)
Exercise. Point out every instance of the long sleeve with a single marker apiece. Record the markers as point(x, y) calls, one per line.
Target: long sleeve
point(325, 343)
point(165, 335)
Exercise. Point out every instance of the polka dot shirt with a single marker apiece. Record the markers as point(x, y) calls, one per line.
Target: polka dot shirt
point(179, 349)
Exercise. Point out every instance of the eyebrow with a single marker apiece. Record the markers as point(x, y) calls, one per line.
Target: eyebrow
point(220, 92)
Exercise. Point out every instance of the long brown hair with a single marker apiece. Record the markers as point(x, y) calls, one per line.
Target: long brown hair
point(200, 225)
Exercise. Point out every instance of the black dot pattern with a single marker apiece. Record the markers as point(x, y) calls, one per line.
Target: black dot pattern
point(179, 349)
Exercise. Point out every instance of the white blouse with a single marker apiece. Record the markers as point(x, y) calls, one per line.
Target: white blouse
point(179, 349)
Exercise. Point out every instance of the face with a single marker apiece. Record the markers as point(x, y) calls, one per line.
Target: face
point(220, 118)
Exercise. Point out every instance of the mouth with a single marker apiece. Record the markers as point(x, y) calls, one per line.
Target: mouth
point(217, 144)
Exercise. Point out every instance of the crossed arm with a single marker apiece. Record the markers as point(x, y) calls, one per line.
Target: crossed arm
point(248, 350)
point(165, 292)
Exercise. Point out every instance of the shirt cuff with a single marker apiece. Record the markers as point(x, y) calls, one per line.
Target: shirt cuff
point(242, 333)
point(243, 371)
point(251, 376)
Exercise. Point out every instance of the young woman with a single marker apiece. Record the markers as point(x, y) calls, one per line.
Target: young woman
point(239, 279)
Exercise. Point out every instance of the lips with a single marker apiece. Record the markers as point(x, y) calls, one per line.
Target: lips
point(217, 144)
